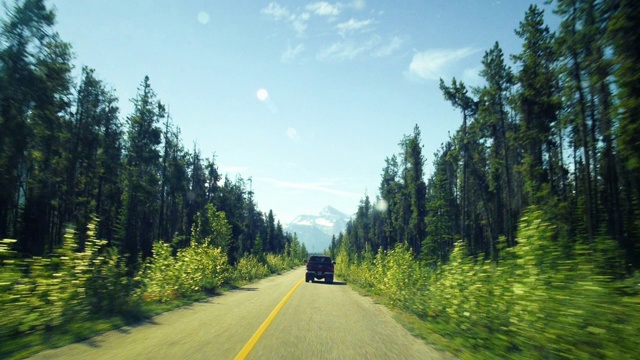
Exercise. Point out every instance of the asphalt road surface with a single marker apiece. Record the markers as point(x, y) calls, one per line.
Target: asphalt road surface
point(318, 321)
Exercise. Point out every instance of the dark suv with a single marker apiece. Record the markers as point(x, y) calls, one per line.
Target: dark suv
point(320, 267)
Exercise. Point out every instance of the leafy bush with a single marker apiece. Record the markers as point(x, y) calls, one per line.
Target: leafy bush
point(538, 301)
point(110, 290)
point(250, 268)
point(189, 273)
point(42, 293)
point(278, 263)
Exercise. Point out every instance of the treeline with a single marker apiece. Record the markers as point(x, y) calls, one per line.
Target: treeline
point(66, 155)
point(524, 241)
point(560, 132)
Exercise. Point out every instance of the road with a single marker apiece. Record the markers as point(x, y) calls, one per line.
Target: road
point(319, 321)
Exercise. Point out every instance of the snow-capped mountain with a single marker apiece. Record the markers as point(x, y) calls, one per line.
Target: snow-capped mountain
point(315, 231)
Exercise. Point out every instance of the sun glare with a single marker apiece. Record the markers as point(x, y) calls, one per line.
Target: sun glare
point(382, 205)
point(262, 94)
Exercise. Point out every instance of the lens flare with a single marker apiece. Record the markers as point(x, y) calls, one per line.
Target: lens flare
point(262, 95)
point(203, 17)
point(382, 205)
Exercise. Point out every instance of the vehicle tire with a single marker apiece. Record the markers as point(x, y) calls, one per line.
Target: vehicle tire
point(306, 278)
point(328, 279)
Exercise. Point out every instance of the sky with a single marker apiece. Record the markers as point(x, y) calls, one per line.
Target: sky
point(305, 98)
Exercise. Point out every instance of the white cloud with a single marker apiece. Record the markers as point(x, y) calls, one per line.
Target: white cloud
point(323, 8)
point(353, 25)
point(389, 48)
point(351, 49)
point(292, 133)
point(358, 4)
point(342, 51)
point(432, 64)
point(313, 186)
point(299, 22)
point(292, 52)
point(276, 11)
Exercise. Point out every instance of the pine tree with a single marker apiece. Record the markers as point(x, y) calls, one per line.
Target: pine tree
point(35, 66)
point(416, 188)
point(538, 104)
point(25, 29)
point(457, 95)
point(492, 116)
point(110, 167)
point(623, 36)
point(197, 187)
point(42, 222)
point(442, 207)
point(389, 191)
point(142, 169)
point(271, 233)
point(94, 155)
point(573, 42)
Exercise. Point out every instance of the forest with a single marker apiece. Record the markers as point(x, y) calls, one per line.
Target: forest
point(105, 216)
point(524, 241)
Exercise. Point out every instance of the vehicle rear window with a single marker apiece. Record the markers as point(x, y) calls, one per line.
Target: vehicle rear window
point(320, 259)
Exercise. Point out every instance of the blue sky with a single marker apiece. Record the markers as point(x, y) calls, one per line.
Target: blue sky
point(307, 98)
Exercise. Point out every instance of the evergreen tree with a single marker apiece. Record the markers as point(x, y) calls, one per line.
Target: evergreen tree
point(110, 167)
point(34, 98)
point(271, 233)
point(457, 95)
point(24, 33)
point(390, 189)
point(416, 188)
point(197, 188)
point(93, 157)
point(142, 169)
point(42, 215)
point(537, 104)
point(442, 207)
point(622, 35)
point(492, 117)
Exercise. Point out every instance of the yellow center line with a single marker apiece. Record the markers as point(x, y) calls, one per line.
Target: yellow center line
point(256, 336)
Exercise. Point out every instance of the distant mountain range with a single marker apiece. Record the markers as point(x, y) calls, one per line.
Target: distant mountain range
point(315, 231)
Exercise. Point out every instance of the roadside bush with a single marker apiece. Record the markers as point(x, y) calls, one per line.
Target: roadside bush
point(277, 263)
point(395, 274)
point(189, 273)
point(41, 293)
point(53, 295)
point(250, 268)
point(542, 299)
point(110, 290)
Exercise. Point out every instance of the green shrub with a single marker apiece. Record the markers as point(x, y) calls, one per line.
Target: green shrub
point(110, 290)
point(41, 293)
point(277, 263)
point(189, 273)
point(250, 268)
point(542, 299)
